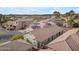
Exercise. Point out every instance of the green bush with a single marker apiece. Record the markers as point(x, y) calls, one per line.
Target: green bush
point(17, 36)
point(76, 24)
point(71, 22)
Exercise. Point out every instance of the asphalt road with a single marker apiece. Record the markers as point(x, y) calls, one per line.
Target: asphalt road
point(6, 35)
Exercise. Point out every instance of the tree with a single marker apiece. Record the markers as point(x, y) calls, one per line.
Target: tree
point(71, 22)
point(69, 18)
point(76, 23)
point(5, 18)
point(56, 14)
point(67, 14)
point(72, 13)
point(0, 18)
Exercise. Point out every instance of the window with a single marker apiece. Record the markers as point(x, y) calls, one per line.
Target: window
point(61, 33)
point(52, 38)
point(45, 41)
point(57, 35)
point(48, 39)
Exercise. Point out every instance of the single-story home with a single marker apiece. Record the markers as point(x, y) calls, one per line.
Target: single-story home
point(68, 41)
point(47, 34)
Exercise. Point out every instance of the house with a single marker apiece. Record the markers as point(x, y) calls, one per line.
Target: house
point(41, 24)
point(9, 25)
point(35, 24)
point(38, 24)
point(16, 45)
point(17, 24)
point(68, 41)
point(45, 35)
point(22, 23)
point(50, 23)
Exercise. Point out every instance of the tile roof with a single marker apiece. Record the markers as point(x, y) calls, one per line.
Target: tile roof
point(17, 45)
point(44, 33)
point(66, 42)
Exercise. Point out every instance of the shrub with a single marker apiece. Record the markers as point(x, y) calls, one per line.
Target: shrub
point(76, 24)
point(17, 36)
point(71, 22)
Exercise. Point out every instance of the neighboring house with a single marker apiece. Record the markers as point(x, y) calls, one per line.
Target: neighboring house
point(16, 25)
point(50, 24)
point(69, 41)
point(45, 35)
point(38, 24)
point(41, 24)
point(9, 25)
point(16, 45)
point(21, 24)
point(35, 25)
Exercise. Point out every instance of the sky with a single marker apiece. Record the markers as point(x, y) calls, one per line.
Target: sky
point(36, 10)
